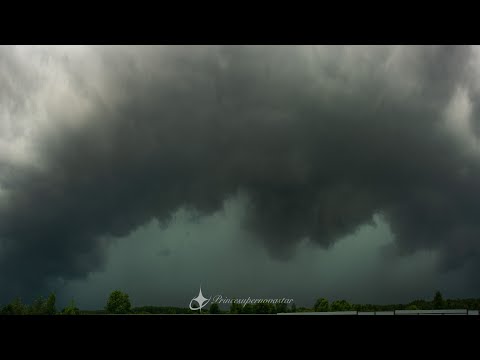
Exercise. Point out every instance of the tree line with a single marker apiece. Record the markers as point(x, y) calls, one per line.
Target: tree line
point(118, 302)
point(40, 306)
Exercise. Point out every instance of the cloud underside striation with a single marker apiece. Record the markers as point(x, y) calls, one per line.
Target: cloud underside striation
point(320, 139)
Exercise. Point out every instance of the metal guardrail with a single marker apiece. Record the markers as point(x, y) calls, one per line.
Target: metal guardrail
point(395, 312)
point(432, 312)
point(322, 313)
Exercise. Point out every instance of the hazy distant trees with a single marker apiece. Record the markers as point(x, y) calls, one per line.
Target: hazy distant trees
point(214, 309)
point(438, 302)
point(321, 305)
point(16, 307)
point(39, 306)
point(162, 310)
point(264, 308)
point(118, 303)
point(257, 308)
point(235, 307)
point(281, 308)
point(341, 305)
point(248, 309)
point(50, 308)
point(71, 309)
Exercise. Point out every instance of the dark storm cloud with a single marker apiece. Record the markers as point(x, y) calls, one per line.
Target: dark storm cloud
point(164, 252)
point(319, 139)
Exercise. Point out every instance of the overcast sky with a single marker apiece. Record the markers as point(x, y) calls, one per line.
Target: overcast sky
point(347, 172)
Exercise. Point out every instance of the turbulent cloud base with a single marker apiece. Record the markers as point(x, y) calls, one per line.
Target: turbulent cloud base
point(97, 141)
